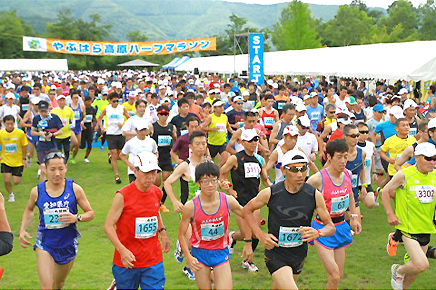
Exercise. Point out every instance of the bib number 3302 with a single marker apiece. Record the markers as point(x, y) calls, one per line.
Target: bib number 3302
point(289, 237)
point(146, 227)
point(425, 193)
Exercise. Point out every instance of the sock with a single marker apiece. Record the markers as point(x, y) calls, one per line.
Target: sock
point(254, 244)
point(430, 252)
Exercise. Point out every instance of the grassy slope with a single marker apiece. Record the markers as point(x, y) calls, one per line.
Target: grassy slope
point(367, 264)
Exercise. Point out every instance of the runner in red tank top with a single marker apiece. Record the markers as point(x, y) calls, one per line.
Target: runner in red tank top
point(268, 114)
point(208, 213)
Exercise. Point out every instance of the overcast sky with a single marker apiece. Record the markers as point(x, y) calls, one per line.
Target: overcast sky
point(369, 3)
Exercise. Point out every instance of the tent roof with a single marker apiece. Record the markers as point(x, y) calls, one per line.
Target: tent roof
point(138, 62)
point(33, 65)
point(408, 60)
point(168, 65)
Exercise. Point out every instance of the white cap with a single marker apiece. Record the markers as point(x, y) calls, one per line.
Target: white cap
point(10, 96)
point(35, 100)
point(146, 162)
point(238, 98)
point(162, 88)
point(118, 85)
point(313, 94)
point(100, 82)
point(396, 111)
point(216, 85)
point(141, 124)
point(133, 94)
point(249, 134)
point(409, 103)
point(403, 91)
point(10, 86)
point(113, 84)
point(431, 124)
point(304, 121)
point(351, 115)
point(270, 82)
point(166, 100)
point(294, 156)
point(245, 93)
point(275, 86)
point(306, 97)
point(341, 110)
point(191, 81)
point(60, 97)
point(53, 87)
point(218, 104)
point(300, 107)
point(344, 121)
point(290, 130)
point(426, 149)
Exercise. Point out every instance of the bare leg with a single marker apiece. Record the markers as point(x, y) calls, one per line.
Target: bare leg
point(223, 276)
point(417, 264)
point(16, 179)
point(45, 266)
point(202, 277)
point(114, 157)
point(7, 177)
point(283, 278)
point(332, 268)
point(60, 274)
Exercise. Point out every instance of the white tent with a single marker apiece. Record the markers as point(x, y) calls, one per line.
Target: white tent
point(408, 60)
point(138, 62)
point(33, 65)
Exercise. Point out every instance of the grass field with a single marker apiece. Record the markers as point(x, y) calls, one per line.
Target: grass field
point(367, 263)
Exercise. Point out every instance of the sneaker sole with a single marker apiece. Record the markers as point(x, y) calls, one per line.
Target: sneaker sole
point(387, 247)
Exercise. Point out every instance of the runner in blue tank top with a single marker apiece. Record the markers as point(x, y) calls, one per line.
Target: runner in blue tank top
point(56, 241)
point(79, 118)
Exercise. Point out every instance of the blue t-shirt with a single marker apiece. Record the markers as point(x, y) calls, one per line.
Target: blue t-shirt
point(52, 123)
point(387, 130)
point(315, 115)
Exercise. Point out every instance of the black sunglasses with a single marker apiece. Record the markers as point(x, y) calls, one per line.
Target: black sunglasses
point(354, 135)
point(115, 101)
point(363, 132)
point(433, 158)
point(163, 114)
point(296, 169)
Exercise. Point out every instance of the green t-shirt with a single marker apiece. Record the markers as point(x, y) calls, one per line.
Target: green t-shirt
point(100, 104)
point(415, 203)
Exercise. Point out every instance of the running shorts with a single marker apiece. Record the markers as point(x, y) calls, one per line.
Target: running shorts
point(211, 258)
point(6, 239)
point(340, 239)
point(152, 277)
point(422, 239)
point(115, 142)
point(61, 256)
point(274, 262)
point(15, 171)
point(215, 149)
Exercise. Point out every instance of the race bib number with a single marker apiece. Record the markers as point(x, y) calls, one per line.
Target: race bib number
point(114, 118)
point(252, 170)
point(183, 132)
point(64, 122)
point(289, 237)
point(146, 227)
point(77, 115)
point(88, 118)
point(340, 204)
point(354, 180)
point(164, 140)
point(367, 162)
point(316, 115)
point(221, 127)
point(269, 121)
point(413, 131)
point(11, 148)
point(241, 124)
point(25, 107)
point(425, 193)
point(42, 124)
point(131, 113)
point(280, 105)
point(212, 231)
point(51, 218)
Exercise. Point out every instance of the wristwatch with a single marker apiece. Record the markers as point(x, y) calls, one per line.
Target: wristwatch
point(248, 240)
point(162, 229)
point(354, 215)
point(79, 217)
point(319, 233)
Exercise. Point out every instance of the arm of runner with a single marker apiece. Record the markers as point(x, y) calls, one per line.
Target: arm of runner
point(126, 115)
point(25, 119)
point(230, 129)
point(174, 134)
point(269, 241)
point(265, 180)
point(273, 137)
point(373, 136)
point(316, 181)
point(389, 191)
point(125, 160)
point(405, 156)
point(235, 137)
point(231, 163)
point(127, 257)
point(27, 218)
point(165, 243)
point(4, 224)
point(99, 120)
point(363, 177)
point(84, 204)
point(272, 161)
point(309, 233)
point(187, 214)
point(177, 173)
point(126, 129)
point(385, 157)
point(206, 124)
point(236, 208)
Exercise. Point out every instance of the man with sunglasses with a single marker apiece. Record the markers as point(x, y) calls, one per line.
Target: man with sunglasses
point(334, 181)
point(115, 113)
point(57, 200)
point(246, 169)
point(413, 190)
point(291, 204)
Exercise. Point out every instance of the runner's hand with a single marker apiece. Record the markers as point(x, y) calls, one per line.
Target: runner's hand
point(224, 184)
point(356, 226)
point(193, 264)
point(391, 160)
point(393, 219)
point(131, 166)
point(313, 156)
point(178, 206)
point(269, 241)
point(127, 258)
point(164, 242)
point(308, 234)
point(23, 242)
point(67, 218)
point(247, 252)
point(120, 125)
point(363, 192)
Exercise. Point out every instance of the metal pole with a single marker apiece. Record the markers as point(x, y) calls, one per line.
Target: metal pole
point(234, 54)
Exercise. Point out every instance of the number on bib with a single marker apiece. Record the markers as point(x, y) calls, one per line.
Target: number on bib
point(289, 237)
point(131, 113)
point(280, 105)
point(11, 148)
point(252, 170)
point(316, 115)
point(113, 118)
point(51, 218)
point(354, 180)
point(25, 107)
point(76, 115)
point(164, 140)
point(425, 193)
point(88, 119)
point(340, 204)
point(221, 127)
point(367, 162)
point(269, 121)
point(413, 131)
point(212, 231)
point(146, 227)
point(183, 132)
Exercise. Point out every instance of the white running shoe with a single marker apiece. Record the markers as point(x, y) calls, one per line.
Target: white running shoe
point(178, 253)
point(11, 197)
point(250, 266)
point(39, 173)
point(232, 243)
point(113, 285)
point(188, 273)
point(86, 160)
point(28, 161)
point(396, 279)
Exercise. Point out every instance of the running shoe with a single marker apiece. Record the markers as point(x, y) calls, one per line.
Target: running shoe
point(28, 161)
point(376, 196)
point(86, 160)
point(163, 208)
point(391, 246)
point(396, 279)
point(406, 258)
point(232, 243)
point(38, 174)
point(188, 273)
point(113, 285)
point(102, 148)
point(109, 158)
point(1, 272)
point(178, 253)
point(250, 266)
point(117, 180)
point(11, 197)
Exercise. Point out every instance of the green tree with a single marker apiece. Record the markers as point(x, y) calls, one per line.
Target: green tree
point(295, 28)
point(427, 31)
point(11, 40)
point(136, 36)
point(351, 26)
point(401, 12)
point(64, 26)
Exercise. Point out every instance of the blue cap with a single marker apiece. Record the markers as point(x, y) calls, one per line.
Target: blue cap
point(378, 108)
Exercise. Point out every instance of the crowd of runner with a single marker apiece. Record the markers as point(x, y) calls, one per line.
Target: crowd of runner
point(321, 148)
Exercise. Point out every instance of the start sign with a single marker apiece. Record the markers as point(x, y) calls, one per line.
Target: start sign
point(255, 56)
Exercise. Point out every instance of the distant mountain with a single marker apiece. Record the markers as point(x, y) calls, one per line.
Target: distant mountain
point(158, 19)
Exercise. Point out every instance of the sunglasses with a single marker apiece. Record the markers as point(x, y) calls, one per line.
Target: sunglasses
point(363, 132)
point(54, 155)
point(239, 103)
point(255, 139)
point(115, 101)
point(354, 135)
point(296, 169)
point(163, 114)
point(433, 158)
point(332, 112)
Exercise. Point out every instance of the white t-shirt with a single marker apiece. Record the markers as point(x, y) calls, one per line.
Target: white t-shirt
point(114, 116)
point(308, 143)
point(369, 152)
point(130, 124)
point(151, 111)
point(135, 146)
point(5, 110)
point(341, 104)
point(43, 97)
